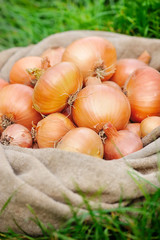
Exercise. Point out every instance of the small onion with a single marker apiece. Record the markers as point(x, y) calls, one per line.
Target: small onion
point(134, 127)
point(148, 124)
point(16, 106)
point(120, 143)
point(54, 55)
point(16, 135)
point(57, 87)
point(3, 83)
point(98, 104)
point(83, 140)
point(51, 129)
point(26, 70)
point(143, 92)
point(95, 56)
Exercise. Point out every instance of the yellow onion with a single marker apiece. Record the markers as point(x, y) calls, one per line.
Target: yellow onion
point(82, 140)
point(96, 105)
point(148, 124)
point(112, 84)
point(16, 135)
point(95, 56)
point(26, 70)
point(57, 87)
point(16, 106)
point(143, 92)
point(51, 129)
point(134, 127)
point(120, 143)
point(54, 55)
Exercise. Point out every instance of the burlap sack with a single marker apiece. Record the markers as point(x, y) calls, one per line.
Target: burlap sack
point(46, 179)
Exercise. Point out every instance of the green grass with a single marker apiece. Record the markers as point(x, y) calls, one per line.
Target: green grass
point(25, 22)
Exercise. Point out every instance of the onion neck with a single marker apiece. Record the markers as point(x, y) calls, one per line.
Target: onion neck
point(101, 71)
point(72, 98)
point(7, 120)
point(6, 140)
point(110, 130)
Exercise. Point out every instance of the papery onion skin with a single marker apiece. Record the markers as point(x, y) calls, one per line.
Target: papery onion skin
point(97, 104)
point(91, 55)
point(16, 105)
point(134, 127)
point(120, 143)
point(55, 86)
point(68, 112)
point(143, 92)
point(17, 135)
point(148, 124)
point(51, 129)
point(3, 83)
point(124, 68)
point(54, 55)
point(82, 140)
point(19, 73)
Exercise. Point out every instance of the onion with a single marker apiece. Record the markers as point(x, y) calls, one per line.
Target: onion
point(3, 83)
point(112, 84)
point(95, 56)
point(83, 140)
point(143, 92)
point(16, 106)
point(54, 55)
point(145, 57)
point(120, 143)
point(16, 135)
point(98, 104)
point(57, 87)
point(51, 129)
point(134, 127)
point(148, 124)
point(27, 70)
point(92, 81)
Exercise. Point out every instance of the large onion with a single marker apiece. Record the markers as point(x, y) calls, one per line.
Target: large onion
point(98, 104)
point(16, 106)
point(83, 140)
point(143, 92)
point(51, 129)
point(95, 56)
point(148, 124)
point(56, 88)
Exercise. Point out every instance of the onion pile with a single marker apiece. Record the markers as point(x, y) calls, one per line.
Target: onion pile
point(81, 99)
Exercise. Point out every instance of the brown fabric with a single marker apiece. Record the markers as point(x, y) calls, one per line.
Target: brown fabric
point(47, 179)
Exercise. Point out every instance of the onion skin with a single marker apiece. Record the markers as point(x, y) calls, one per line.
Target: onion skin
point(3, 83)
point(145, 57)
point(16, 135)
point(124, 68)
point(19, 73)
point(51, 129)
point(54, 55)
point(148, 124)
point(143, 92)
point(91, 55)
point(82, 140)
point(98, 104)
point(120, 143)
point(16, 105)
point(134, 127)
point(55, 86)
point(68, 112)
point(112, 84)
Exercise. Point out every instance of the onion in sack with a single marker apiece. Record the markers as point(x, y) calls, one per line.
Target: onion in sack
point(16, 106)
point(143, 92)
point(127, 66)
point(148, 124)
point(96, 105)
point(82, 140)
point(120, 143)
point(27, 70)
point(3, 83)
point(95, 56)
point(54, 55)
point(57, 87)
point(17, 135)
point(51, 129)
point(134, 127)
